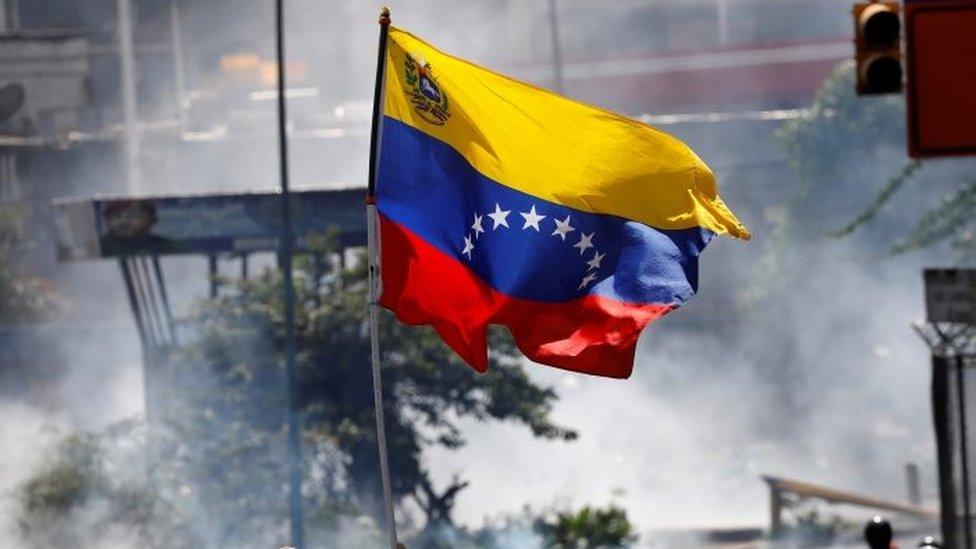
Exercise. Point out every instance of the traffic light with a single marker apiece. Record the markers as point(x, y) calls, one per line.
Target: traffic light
point(877, 28)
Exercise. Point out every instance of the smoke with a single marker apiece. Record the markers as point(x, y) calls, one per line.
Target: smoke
point(684, 441)
point(24, 445)
point(680, 445)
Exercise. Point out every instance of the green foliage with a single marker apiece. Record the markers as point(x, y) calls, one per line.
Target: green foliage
point(426, 388)
point(22, 299)
point(844, 153)
point(951, 220)
point(66, 482)
point(841, 151)
point(86, 493)
point(841, 129)
point(884, 195)
point(590, 527)
point(218, 450)
point(215, 466)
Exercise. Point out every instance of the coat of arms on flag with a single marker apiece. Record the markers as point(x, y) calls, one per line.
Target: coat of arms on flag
point(423, 91)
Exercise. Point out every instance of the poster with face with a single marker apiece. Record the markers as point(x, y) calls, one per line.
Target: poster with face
point(204, 224)
point(127, 230)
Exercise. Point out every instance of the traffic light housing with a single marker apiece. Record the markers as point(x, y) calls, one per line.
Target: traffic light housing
point(877, 31)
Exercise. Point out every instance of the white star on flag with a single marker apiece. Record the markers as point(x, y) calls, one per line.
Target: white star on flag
point(562, 228)
point(595, 262)
point(468, 246)
point(586, 281)
point(586, 241)
point(499, 217)
point(476, 227)
point(532, 219)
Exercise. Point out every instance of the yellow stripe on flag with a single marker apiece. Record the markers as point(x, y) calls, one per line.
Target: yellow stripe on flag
point(554, 148)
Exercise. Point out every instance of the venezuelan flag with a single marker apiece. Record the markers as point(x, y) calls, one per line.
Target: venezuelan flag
point(502, 203)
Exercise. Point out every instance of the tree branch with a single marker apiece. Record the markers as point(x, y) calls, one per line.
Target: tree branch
point(880, 200)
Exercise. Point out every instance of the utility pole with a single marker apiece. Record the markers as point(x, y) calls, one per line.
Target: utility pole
point(722, 9)
point(950, 332)
point(294, 424)
point(179, 60)
point(130, 127)
point(9, 15)
point(557, 54)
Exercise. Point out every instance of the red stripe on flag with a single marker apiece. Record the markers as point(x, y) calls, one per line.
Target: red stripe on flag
point(423, 285)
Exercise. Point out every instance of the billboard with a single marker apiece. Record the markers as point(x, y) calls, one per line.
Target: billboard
point(950, 295)
point(203, 224)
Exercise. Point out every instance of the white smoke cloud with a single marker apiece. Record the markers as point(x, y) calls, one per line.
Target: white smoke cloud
point(25, 432)
point(682, 443)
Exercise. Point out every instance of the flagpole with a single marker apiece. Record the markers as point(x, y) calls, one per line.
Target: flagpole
point(285, 258)
point(372, 229)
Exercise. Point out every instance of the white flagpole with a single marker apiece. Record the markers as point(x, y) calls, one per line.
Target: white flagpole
point(375, 282)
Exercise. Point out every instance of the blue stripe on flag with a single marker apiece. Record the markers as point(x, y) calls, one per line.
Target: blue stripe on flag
point(427, 187)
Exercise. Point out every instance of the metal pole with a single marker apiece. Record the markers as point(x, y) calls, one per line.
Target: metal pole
point(179, 60)
point(127, 60)
point(377, 120)
point(13, 14)
point(557, 52)
point(165, 297)
point(775, 512)
point(372, 229)
point(914, 487)
point(152, 332)
point(941, 418)
point(152, 305)
point(294, 429)
point(213, 273)
point(133, 301)
point(964, 451)
point(722, 9)
point(144, 338)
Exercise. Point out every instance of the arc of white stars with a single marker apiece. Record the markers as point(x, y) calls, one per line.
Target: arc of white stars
point(532, 219)
point(499, 217)
point(586, 280)
point(476, 227)
point(586, 241)
point(563, 228)
point(468, 247)
point(595, 262)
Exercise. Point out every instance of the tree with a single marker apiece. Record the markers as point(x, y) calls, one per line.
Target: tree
point(426, 388)
point(217, 447)
point(86, 494)
point(590, 527)
point(24, 302)
point(22, 299)
point(438, 507)
point(850, 149)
